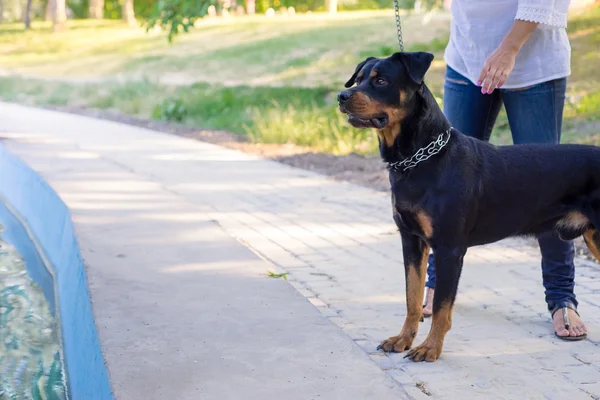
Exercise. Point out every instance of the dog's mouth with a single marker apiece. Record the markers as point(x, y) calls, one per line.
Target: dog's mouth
point(377, 122)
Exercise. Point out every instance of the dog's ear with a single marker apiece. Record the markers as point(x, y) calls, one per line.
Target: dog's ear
point(356, 71)
point(416, 64)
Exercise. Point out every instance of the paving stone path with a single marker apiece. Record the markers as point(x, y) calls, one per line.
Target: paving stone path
point(339, 247)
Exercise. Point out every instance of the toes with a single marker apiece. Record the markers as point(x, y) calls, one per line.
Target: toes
point(576, 328)
point(400, 347)
point(390, 345)
point(416, 356)
point(579, 330)
point(411, 354)
point(562, 332)
point(559, 326)
point(385, 346)
point(397, 344)
point(422, 353)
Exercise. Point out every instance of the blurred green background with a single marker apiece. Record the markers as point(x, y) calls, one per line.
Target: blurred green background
point(270, 76)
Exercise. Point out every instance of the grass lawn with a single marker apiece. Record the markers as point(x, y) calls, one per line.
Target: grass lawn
point(273, 79)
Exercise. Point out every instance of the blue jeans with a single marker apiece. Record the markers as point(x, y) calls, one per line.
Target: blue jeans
point(534, 116)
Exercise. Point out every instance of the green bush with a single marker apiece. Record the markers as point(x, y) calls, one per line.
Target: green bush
point(322, 128)
point(172, 110)
point(80, 8)
point(589, 106)
point(112, 9)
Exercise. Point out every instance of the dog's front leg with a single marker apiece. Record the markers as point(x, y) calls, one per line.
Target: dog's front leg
point(448, 266)
point(415, 252)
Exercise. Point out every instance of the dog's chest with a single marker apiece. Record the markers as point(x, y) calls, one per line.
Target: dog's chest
point(409, 204)
point(414, 219)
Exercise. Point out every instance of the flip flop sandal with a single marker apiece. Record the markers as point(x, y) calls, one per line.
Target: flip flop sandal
point(425, 316)
point(567, 325)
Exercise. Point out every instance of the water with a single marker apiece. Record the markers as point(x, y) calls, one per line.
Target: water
point(30, 352)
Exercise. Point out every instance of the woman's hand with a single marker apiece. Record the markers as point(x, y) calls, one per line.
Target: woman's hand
point(502, 61)
point(496, 69)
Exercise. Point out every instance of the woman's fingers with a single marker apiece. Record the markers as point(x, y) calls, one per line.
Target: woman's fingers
point(495, 83)
point(495, 71)
point(483, 74)
point(488, 85)
point(493, 80)
point(502, 80)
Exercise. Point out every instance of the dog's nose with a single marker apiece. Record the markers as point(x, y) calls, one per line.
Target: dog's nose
point(343, 96)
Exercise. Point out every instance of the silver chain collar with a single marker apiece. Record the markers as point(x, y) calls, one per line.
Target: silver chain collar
point(424, 153)
point(398, 26)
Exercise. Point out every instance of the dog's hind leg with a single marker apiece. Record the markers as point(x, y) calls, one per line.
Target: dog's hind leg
point(415, 252)
point(592, 240)
point(448, 266)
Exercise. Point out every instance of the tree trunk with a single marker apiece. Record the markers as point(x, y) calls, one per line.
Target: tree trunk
point(250, 7)
point(331, 6)
point(49, 16)
point(27, 18)
point(96, 9)
point(59, 15)
point(128, 14)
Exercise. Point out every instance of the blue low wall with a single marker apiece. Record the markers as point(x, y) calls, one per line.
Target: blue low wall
point(48, 221)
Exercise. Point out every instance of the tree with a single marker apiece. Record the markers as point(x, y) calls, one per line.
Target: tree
point(27, 17)
point(331, 6)
point(50, 10)
point(1, 11)
point(96, 9)
point(250, 7)
point(59, 15)
point(128, 13)
point(177, 15)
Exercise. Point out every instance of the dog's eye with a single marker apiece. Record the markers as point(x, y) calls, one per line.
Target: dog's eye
point(380, 82)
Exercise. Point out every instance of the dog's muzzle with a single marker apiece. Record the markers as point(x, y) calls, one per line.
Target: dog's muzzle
point(343, 97)
point(373, 122)
point(357, 121)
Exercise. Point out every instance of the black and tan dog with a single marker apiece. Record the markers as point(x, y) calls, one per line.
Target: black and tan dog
point(451, 192)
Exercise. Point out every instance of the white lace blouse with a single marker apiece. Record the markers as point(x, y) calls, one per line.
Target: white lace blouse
point(478, 27)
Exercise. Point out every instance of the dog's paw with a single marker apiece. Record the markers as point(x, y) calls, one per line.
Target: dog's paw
point(396, 344)
point(425, 352)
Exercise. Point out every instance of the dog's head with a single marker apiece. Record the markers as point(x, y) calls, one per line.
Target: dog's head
point(380, 90)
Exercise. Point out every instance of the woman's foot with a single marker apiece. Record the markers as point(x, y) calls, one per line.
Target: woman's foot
point(576, 327)
point(428, 307)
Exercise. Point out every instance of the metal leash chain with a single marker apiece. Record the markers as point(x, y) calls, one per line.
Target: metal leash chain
point(398, 25)
point(423, 153)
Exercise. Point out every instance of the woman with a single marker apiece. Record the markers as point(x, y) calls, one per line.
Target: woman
point(516, 53)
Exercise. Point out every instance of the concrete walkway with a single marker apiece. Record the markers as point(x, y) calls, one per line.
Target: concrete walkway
point(181, 306)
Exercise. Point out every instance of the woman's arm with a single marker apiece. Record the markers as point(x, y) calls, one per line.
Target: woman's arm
point(530, 13)
point(502, 61)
